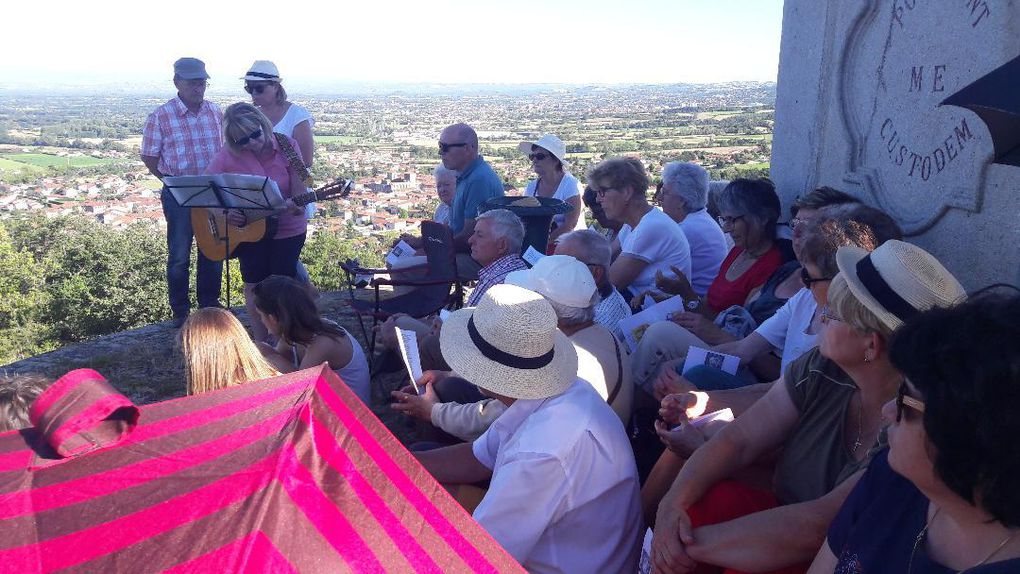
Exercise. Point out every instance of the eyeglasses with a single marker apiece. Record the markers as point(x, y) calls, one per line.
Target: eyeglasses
point(195, 83)
point(725, 220)
point(252, 136)
point(537, 156)
point(601, 192)
point(256, 88)
point(904, 400)
point(808, 280)
point(445, 147)
point(828, 315)
point(796, 221)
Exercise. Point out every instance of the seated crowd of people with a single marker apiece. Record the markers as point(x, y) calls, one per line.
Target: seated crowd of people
point(867, 427)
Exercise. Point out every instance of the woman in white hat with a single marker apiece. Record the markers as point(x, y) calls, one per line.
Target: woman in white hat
point(824, 418)
point(263, 83)
point(548, 158)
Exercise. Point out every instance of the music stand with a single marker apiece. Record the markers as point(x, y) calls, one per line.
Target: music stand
point(247, 193)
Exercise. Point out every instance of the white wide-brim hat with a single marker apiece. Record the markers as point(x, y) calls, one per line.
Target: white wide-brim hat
point(262, 71)
point(509, 345)
point(559, 278)
point(550, 143)
point(898, 280)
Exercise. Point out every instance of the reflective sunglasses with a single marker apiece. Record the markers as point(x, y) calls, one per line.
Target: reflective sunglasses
point(537, 156)
point(445, 147)
point(903, 400)
point(256, 88)
point(252, 136)
point(808, 280)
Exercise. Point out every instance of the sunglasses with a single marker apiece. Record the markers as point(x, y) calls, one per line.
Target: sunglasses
point(445, 147)
point(537, 156)
point(252, 136)
point(256, 88)
point(903, 400)
point(808, 280)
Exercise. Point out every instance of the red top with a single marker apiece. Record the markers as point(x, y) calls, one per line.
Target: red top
point(725, 293)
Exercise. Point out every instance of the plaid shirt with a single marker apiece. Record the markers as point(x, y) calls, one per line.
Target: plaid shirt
point(183, 141)
point(494, 274)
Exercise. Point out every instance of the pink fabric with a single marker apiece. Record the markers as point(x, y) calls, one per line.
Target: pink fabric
point(183, 141)
point(276, 168)
point(254, 553)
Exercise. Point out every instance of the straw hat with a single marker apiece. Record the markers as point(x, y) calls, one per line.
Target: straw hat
point(262, 71)
point(898, 280)
point(550, 143)
point(559, 278)
point(510, 345)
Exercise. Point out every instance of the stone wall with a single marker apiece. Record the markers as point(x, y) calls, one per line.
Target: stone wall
point(859, 108)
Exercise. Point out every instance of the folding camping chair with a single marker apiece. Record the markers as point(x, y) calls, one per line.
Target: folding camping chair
point(432, 282)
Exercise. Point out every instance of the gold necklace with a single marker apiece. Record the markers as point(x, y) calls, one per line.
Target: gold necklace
point(923, 535)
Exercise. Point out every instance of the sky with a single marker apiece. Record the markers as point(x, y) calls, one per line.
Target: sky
point(396, 41)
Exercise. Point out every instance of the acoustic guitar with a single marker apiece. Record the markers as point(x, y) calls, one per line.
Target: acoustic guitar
point(212, 228)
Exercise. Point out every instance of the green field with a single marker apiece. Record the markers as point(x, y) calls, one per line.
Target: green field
point(8, 165)
point(41, 160)
point(336, 139)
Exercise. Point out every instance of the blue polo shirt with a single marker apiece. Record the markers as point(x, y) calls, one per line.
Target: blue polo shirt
point(475, 184)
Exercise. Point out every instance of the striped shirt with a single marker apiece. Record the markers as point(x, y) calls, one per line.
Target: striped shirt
point(494, 274)
point(185, 142)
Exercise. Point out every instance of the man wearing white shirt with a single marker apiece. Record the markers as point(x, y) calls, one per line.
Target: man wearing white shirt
point(563, 494)
point(684, 197)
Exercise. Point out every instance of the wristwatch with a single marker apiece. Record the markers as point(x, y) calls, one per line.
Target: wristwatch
point(692, 304)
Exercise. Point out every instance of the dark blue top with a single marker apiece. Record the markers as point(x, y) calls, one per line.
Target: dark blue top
point(476, 183)
point(878, 524)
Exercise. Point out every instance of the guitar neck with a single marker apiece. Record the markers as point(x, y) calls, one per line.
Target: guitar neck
point(340, 188)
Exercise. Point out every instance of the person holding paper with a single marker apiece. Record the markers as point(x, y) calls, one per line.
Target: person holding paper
point(824, 419)
point(649, 240)
point(304, 338)
point(253, 149)
point(180, 138)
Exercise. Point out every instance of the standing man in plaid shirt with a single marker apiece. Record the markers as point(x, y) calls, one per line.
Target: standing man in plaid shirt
point(180, 138)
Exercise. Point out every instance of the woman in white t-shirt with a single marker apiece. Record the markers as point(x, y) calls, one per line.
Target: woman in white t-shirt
point(649, 240)
point(263, 83)
point(548, 159)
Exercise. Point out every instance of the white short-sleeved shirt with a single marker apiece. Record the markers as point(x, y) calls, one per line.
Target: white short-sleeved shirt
point(564, 490)
point(569, 187)
point(658, 241)
point(290, 120)
point(790, 328)
point(708, 248)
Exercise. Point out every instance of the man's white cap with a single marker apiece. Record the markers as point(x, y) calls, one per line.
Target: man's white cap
point(559, 278)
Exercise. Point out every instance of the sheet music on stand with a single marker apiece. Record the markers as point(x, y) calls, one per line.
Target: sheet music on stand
point(408, 343)
point(225, 191)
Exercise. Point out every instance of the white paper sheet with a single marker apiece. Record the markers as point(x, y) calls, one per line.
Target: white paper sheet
point(698, 356)
point(408, 343)
point(633, 327)
point(532, 256)
point(399, 251)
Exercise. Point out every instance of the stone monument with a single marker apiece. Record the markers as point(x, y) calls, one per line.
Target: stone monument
point(861, 106)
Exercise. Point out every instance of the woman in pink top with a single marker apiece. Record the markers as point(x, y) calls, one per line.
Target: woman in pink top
point(253, 149)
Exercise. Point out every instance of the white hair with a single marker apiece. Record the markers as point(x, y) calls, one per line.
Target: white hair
point(506, 225)
point(568, 316)
point(595, 248)
point(689, 181)
point(441, 170)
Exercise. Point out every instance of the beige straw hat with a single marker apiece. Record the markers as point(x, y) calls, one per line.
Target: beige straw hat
point(509, 345)
point(898, 280)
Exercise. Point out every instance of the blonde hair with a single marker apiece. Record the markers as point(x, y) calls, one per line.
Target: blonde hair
point(218, 352)
point(17, 393)
point(240, 120)
point(850, 309)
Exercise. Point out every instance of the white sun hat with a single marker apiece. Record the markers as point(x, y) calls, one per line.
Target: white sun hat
point(262, 71)
point(550, 143)
point(509, 345)
point(898, 280)
point(559, 278)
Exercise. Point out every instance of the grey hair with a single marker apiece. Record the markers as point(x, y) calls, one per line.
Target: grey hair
point(594, 246)
point(442, 170)
point(506, 225)
point(571, 316)
point(688, 181)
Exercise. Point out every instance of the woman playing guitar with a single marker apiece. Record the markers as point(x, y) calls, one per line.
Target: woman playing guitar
point(252, 148)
